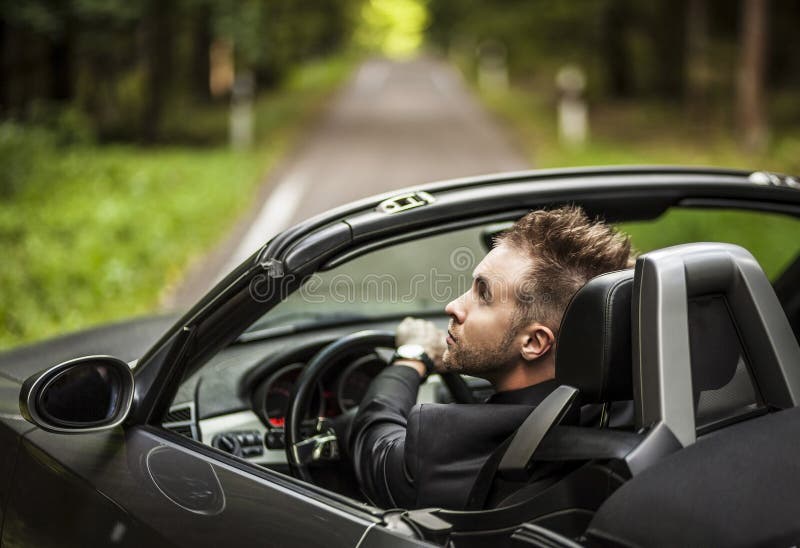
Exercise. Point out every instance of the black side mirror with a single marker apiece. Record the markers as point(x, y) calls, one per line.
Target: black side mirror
point(81, 395)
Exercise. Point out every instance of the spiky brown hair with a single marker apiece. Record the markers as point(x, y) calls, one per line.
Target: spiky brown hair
point(566, 249)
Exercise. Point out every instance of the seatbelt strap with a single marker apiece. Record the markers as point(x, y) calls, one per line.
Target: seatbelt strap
point(514, 454)
point(525, 441)
point(561, 444)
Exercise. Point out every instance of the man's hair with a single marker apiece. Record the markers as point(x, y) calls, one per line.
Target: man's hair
point(566, 249)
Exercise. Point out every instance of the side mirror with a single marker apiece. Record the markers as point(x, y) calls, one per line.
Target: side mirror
point(81, 395)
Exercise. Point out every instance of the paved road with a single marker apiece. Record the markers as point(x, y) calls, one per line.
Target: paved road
point(394, 125)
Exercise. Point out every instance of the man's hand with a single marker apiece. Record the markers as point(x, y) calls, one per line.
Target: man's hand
point(425, 334)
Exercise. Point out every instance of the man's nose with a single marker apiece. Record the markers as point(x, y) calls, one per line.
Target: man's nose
point(455, 309)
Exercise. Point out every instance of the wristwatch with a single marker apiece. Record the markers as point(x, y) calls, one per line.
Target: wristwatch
point(414, 352)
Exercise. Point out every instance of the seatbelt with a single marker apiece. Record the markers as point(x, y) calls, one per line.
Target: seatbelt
point(561, 444)
point(546, 415)
point(513, 457)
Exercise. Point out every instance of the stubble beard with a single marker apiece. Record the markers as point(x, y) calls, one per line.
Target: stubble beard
point(479, 362)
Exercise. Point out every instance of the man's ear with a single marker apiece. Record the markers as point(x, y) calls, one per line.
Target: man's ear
point(538, 341)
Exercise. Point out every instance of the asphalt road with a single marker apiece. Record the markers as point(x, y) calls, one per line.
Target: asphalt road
point(394, 125)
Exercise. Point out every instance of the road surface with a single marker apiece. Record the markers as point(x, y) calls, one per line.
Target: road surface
point(394, 125)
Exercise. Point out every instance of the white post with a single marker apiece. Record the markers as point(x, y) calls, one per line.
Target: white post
point(573, 120)
point(241, 119)
point(492, 66)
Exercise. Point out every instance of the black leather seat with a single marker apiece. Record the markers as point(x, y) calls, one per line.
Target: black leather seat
point(593, 356)
point(601, 350)
point(569, 472)
point(594, 342)
point(716, 363)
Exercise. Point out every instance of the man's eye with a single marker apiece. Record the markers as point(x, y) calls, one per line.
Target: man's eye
point(483, 293)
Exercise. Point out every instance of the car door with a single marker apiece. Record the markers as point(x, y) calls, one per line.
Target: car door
point(139, 487)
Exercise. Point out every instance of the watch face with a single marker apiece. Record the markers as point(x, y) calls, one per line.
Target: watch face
point(411, 351)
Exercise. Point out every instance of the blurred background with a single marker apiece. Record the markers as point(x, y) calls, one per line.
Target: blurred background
point(147, 147)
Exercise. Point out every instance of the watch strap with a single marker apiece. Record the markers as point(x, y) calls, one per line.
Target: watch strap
point(423, 357)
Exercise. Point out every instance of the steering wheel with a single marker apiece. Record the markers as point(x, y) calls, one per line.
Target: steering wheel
point(323, 443)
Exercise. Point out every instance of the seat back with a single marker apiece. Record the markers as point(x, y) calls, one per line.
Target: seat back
point(723, 387)
point(593, 352)
point(711, 342)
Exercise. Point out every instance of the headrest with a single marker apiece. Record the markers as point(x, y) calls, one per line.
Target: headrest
point(593, 352)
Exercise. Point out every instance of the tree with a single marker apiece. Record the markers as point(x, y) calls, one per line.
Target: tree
point(750, 89)
point(616, 21)
point(697, 68)
point(202, 37)
point(157, 45)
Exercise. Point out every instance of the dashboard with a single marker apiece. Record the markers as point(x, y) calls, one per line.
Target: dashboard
point(238, 401)
point(341, 390)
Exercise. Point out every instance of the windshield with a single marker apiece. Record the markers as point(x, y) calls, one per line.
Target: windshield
point(423, 275)
point(413, 277)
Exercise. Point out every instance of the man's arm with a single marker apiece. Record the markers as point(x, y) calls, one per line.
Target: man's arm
point(378, 434)
point(378, 437)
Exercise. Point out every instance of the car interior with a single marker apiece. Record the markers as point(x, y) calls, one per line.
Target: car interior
point(681, 357)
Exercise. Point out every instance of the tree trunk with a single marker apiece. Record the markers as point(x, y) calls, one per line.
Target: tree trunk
point(60, 59)
point(616, 56)
point(666, 32)
point(750, 90)
point(697, 68)
point(5, 72)
point(201, 47)
point(158, 64)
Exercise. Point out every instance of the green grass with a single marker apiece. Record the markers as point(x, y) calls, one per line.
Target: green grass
point(91, 234)
point(634, 133)
point(745, 228)
point(661, 135)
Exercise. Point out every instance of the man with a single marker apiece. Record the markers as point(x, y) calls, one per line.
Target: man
point(503, 329)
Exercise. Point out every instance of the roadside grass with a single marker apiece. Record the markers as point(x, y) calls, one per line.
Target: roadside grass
point(654, 134)
point(91, 234)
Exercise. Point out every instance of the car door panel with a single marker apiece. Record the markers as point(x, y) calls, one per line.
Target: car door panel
point(141, 483)
point(51, 506)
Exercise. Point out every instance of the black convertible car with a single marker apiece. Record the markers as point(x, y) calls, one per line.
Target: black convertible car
point(226, 430)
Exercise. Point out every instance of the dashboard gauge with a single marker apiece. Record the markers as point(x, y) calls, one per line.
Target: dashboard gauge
point(355, 380)
point(278, 393)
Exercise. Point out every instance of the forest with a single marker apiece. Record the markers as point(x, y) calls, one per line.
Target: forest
point(136, 71)
point(113, 112)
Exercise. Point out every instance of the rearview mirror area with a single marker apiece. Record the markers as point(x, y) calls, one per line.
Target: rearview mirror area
point(86, 394)
point(491, 232)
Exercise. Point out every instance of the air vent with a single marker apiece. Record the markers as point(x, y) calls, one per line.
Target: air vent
point(185, 430)
point(180, 419)
point(178, 414)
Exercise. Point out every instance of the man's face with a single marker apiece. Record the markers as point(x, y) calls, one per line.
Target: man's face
point(480, 339)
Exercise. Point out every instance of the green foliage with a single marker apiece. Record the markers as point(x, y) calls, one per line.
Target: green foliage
point(91, 234)
point(96, 234)
point(634, 132)
point(537, 35)
point(392, 27)
point(209, 121)
point(67, 125)
point(771, 238)
point(22, 150)
point(127, 65)
point(656, 134)
point(628, 48)
point(271, 36)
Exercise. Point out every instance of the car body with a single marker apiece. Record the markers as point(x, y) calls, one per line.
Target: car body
point(199, 458)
